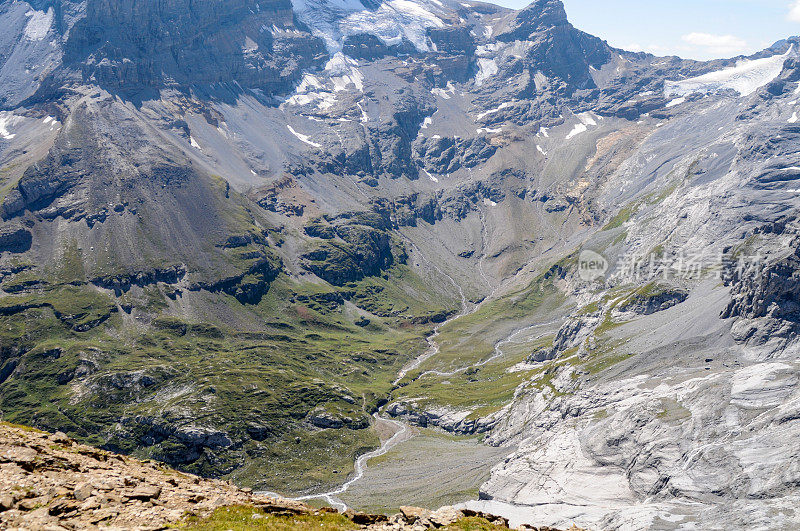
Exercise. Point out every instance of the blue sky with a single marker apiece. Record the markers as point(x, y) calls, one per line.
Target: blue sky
point(695, 29)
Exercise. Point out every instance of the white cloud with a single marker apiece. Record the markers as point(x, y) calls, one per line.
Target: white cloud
point(717, 44)
point(794, 11)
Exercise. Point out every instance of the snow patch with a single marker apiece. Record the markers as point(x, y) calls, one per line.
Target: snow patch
point(39, 23)
point(431, 177)
point(542, 151)
point(578, 129)
point(310, 82)
point(7, 119)
point(488, 130)
point(343, 72)
point(392, 22)
point(745, 78)
point(312, 89)
point(194, 143)
point(486, 49)
point(364, 115)
point(540, 80)
point(587, 118)
point(426, 122)
point(486, 69)
point(303, 138)
point(492, 111)
point(446, 92)
point(793, 119)
point(676, 102)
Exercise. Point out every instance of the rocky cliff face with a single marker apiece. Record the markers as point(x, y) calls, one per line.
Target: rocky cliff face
point(229, 226)
point(134, 45)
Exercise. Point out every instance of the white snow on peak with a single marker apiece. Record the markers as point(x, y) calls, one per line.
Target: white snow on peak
point(745, 78)
point(486, 69)
point(303, 138)
point(391, 22)
point(793, 119)
point(39, 23)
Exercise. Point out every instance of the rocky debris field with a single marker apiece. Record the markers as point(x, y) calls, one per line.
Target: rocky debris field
point(48, 481)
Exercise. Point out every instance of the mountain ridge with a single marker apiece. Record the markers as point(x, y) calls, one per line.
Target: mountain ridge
point(223, 242)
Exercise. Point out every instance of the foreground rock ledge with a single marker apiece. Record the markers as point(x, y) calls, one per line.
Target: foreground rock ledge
point(48, 481)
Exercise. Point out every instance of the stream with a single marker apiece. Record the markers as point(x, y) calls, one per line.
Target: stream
point(402, 434)
point(403, 431)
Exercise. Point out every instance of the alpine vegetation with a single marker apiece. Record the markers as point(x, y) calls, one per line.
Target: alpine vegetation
point(374, 254)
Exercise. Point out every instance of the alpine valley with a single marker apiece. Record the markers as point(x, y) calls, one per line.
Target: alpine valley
point(256, 239)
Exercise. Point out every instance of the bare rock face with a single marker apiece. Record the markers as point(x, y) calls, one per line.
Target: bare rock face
point(129, 45)
point(14, 238)
point(250, 212)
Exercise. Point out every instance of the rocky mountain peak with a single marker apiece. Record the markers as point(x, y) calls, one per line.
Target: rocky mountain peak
point(304, 217)
point(542, 15)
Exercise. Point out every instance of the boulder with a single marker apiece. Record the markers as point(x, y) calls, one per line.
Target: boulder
point(82, 491)
point(445, 516)
point(144, 492)
point(412, 514)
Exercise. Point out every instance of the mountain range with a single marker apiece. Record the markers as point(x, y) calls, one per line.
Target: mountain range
point(238, 235)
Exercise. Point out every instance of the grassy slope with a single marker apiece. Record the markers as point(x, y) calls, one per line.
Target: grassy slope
point(471, 339)
point(248, 518)
point(307, 355)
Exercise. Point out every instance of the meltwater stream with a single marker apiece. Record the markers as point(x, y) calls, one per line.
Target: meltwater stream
point(331, 497)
